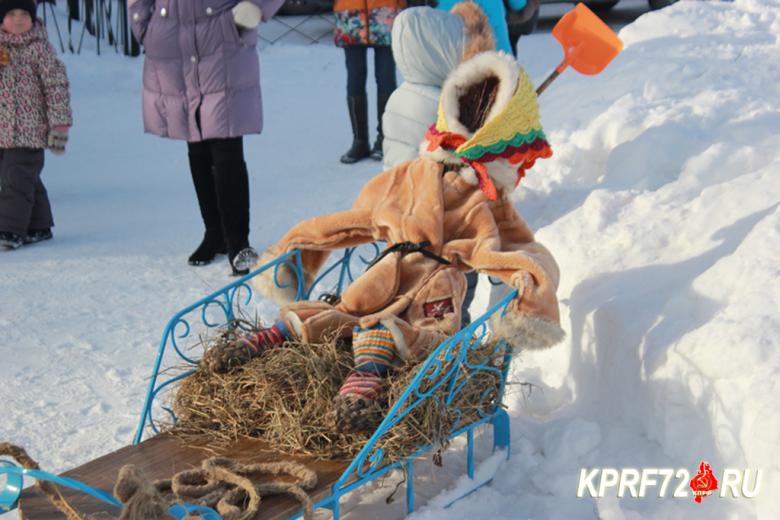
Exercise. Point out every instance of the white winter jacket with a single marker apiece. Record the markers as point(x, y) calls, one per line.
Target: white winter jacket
point(427, 45)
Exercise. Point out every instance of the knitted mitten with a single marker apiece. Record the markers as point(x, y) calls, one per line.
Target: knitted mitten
point(58, 138)
point(360, 403)
point(223, 357)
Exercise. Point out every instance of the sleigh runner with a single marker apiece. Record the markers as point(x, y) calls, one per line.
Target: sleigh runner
point(445, 373)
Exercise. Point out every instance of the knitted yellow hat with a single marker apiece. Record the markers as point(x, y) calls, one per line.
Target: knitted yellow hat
point(513, 132)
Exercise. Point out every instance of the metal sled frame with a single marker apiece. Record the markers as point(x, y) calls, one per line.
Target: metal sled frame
point(446, 367)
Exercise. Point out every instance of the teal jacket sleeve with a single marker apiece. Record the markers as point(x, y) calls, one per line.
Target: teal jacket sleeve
point(517, 5)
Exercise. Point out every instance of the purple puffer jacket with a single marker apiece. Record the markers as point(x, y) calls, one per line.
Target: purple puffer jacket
point(201, 72)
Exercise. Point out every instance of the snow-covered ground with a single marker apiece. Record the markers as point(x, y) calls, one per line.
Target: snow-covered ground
point(661, 205)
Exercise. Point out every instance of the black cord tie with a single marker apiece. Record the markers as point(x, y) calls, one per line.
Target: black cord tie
point(406, 248)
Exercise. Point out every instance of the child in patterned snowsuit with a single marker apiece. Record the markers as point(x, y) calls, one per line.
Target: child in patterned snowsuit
point(34, 114)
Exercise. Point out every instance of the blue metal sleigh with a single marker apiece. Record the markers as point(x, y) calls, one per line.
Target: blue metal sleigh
point(442, 376)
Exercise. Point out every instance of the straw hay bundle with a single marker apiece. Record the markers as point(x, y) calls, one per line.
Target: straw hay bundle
point(284, 398)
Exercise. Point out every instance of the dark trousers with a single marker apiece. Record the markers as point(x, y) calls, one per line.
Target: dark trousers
point(24, 203)
point(222, 185)
point(472, 278)
point(357, 70)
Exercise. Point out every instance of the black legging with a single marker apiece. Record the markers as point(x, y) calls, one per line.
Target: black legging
point(218, 150)
point(357, 70)
point(222, 186)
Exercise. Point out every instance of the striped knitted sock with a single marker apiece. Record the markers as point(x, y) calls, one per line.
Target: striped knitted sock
point(374, 350)
point(363, 384)
point(266, 339)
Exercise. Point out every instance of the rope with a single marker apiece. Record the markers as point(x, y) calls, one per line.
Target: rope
point(227, 486)
point(231, 488)
point(50, 490)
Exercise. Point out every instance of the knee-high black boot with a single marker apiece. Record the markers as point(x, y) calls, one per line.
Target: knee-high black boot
point(376, 152)
point(203, 179)
point(358, 118)
point(232, 183)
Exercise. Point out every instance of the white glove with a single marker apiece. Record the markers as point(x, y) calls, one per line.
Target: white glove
point(247, 15)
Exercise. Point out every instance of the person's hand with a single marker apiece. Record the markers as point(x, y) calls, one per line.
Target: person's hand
point(58, 138)
point(247, 15)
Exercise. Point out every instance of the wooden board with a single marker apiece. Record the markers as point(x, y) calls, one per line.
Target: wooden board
point(161, 457)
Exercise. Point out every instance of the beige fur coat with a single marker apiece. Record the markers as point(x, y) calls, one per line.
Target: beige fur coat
point(419, 299)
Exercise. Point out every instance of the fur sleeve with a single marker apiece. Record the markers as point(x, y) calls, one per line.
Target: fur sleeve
point(318, 236)
point(502, 246)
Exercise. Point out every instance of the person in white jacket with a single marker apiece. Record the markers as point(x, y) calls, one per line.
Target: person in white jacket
point(427, 45)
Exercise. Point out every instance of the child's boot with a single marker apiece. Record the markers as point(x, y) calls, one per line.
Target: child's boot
point(37, 235)
point(10, 240)
point(245, 347)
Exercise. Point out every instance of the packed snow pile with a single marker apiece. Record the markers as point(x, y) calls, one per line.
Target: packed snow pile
point(661, 204)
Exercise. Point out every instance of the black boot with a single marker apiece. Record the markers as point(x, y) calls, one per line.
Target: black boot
point(358, 117)
point(376, 152)
point(232, 182)
point(213, 242)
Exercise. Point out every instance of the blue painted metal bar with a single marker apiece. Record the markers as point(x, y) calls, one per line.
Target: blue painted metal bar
point(409, 466)
point(470, 453)
point(501, 431)
point(469, 492)
point(101, 495)
point(179, 511)
point(336, 509)
point(340, 264)
point(9, 498)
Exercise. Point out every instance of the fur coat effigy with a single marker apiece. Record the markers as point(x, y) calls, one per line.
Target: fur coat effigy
point(445, 203)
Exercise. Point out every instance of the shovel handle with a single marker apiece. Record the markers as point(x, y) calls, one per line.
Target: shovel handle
point(554, 74)
point(567, 59)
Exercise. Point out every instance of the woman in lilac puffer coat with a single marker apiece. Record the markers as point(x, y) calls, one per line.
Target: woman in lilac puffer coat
point(202, 85)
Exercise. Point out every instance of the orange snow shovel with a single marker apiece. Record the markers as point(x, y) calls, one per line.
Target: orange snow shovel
point(588, 44)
